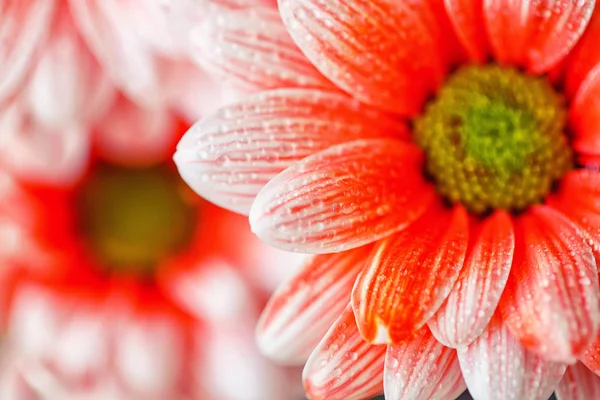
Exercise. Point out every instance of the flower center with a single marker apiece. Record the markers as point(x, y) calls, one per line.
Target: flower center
point(494, 138)
point(132, 219)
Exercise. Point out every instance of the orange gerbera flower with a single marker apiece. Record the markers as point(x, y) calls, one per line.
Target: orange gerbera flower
point(442, 157)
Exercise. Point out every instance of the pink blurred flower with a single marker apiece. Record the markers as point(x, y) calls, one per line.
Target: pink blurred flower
point(85, 313)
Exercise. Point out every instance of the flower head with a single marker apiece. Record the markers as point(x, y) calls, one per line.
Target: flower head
point(442, 157)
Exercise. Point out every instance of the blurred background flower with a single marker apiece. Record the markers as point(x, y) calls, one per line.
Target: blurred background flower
point(117, 281)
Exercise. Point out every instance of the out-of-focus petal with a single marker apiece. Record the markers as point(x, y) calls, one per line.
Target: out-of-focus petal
point(106, 25)
point(409, 275)
point(578, 383)
point(253, 50)
point(228, 157)
point(535, 34)
point(385, 53)
point(475, 296)
point(134, 136)
point(422, 369)
point(24, 24)
point(551, 300)
point(344, 366)
point(149, 354)
point(497, 367)
point(343, 197)
point(41, 154)
point(303, 309)
point(67, 85)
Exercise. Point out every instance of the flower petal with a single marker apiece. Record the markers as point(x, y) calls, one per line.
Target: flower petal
point(535, 34)
point(41, 154)
point(409, 275)
point(551, 300)
point(578, 383)
point(66, 67)
point(344, 366)
point(253, 50)
point(422, 369)
point(343, 197)
point(133, 136)
point(591, 356)
point(577, 198)
point(228, 157)
point(475, 296)
point(108, 29)
point(302, 310)
point(584, 115)
point(585, 57)
point(467, 18)
point(383, 52)
point(25, 24)
point(497, 367)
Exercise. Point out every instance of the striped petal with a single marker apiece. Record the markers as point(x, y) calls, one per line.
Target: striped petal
point(409, 275)
point(422, 369)
point(578, 383)
point(344, 366)
point(302, 310)
point(535, 34)
point(497, 367)
point(551, 300)
point(475, 296)
point(341, 198)
point(23, 27)
point(228, 157)
point(383, 52)
point(253, 50)
point(467, 18)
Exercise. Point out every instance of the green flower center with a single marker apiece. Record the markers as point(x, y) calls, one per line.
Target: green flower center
point(494, 138)
point(134, 218)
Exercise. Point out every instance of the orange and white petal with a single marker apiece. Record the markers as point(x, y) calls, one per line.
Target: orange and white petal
point(134, 136)
point(303, 309)
point(37, 153)
point(467, 19)
point(344, 366)
point(422, 369)
point(391, 59)
point(342, 198)
point(536, 35)
point(253, 50)
point(228, 157)
point(106, 26)
point(497, 367)
point(23, 28)
point(476, 294)
point(149, 355)
point(578, 383)
point(409, 275)
point(551, 300)
point(67, 84)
